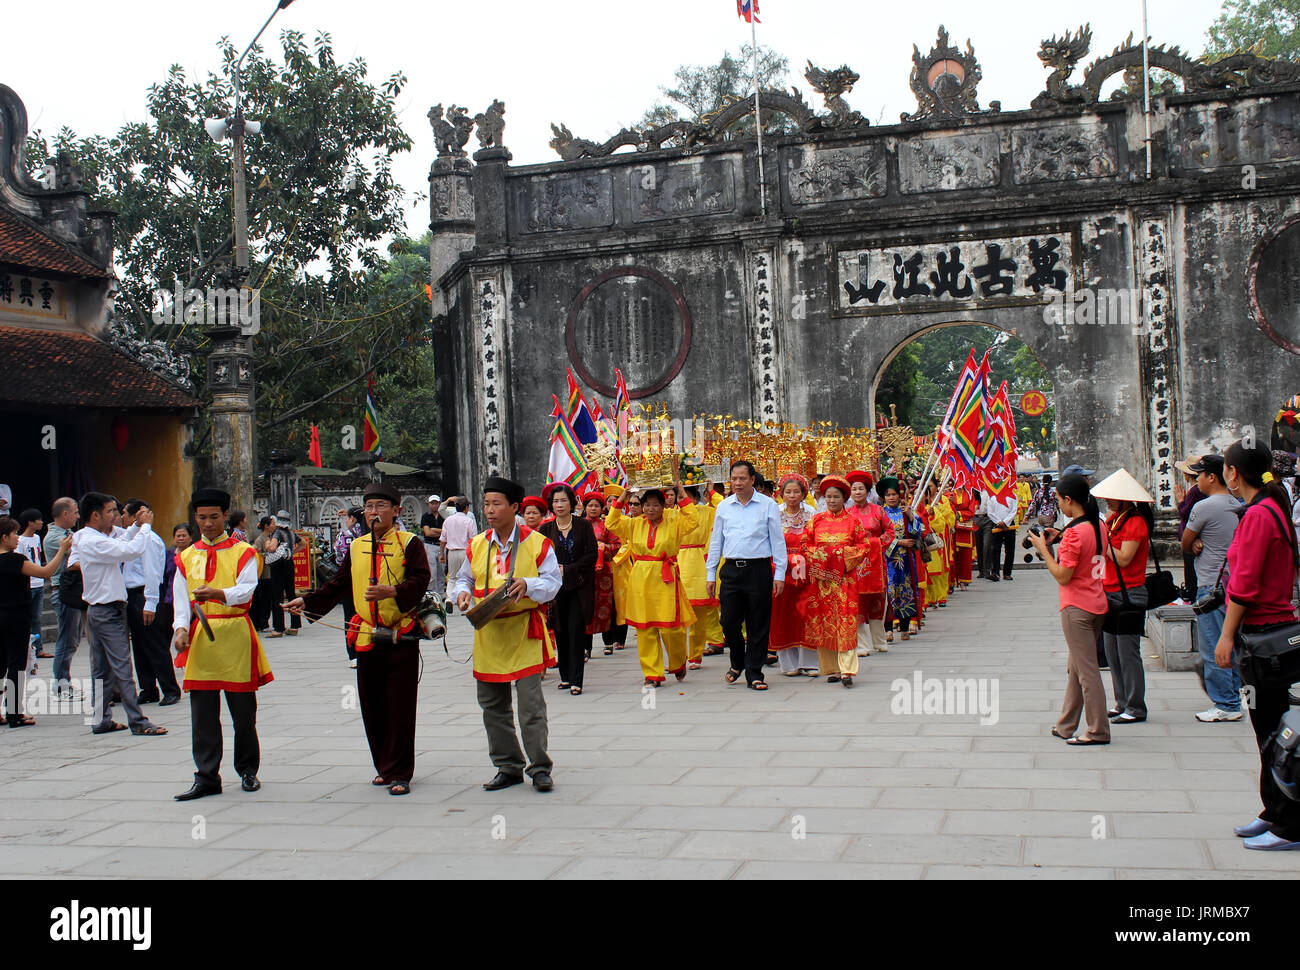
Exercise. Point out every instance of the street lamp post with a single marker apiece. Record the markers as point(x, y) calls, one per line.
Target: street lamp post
point(230, 364)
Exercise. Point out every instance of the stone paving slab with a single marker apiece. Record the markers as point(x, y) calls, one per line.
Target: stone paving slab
point(698, 780)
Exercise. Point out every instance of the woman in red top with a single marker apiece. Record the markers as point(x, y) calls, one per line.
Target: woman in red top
point(1129, 527)
point(1262, 565)
point(1083, 610)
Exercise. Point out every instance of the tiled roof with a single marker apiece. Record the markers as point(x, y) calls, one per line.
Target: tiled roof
point(25, 245)
point(59, 369)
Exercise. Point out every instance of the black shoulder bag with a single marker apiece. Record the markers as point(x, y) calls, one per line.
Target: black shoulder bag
point(1159, 587)
point(1271, 657)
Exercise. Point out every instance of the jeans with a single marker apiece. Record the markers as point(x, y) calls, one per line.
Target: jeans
point(70, 624)
point(1223, 686)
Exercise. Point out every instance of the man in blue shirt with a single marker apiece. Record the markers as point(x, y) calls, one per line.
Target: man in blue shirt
point(747, 534)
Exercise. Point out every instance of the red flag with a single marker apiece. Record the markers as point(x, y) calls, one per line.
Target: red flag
point(747, 10)
point(313, 452)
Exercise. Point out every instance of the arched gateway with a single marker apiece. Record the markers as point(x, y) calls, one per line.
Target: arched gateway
point(1161, 304)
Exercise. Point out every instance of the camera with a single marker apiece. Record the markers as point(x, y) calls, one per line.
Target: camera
point(1210, 602)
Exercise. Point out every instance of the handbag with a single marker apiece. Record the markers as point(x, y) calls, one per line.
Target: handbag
point(1158, 589)
point(1270, 656)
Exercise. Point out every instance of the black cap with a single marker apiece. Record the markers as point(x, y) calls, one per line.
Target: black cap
point(513, 491)
point(382, 490)
point(205, 497)
point(1208, 463)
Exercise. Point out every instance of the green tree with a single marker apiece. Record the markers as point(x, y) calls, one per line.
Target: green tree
point(1270, 28)
point(703, 89)
point(321, 201)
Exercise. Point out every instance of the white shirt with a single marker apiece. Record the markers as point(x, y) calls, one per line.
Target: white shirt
point(457, 530)
point(542, 589)
point(237, 595)
point(147, 571)
point(1002, 512)
point(30, 546)
point(101, 558)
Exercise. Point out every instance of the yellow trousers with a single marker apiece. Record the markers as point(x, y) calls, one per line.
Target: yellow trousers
point(651, 654)
point(843, 663)
point(706, 631)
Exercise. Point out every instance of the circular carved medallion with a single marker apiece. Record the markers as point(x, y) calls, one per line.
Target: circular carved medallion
point(634, 319)
point(1273, 285)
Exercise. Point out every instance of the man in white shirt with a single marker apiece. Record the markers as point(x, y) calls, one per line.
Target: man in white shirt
point(1002, 535)
point(150, 642)
point(101, 555)
point(457, 531)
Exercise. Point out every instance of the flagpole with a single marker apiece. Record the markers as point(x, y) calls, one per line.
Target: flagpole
point(758, 119)
point(1146, 86)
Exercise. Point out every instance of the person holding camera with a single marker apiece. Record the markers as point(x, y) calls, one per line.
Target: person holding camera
point(385, 572)
point(1263, 561)
point(1083, 609)
point(1211, 523)
point(1129, 527)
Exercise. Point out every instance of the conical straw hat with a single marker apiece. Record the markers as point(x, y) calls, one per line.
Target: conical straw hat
point(1121, 487)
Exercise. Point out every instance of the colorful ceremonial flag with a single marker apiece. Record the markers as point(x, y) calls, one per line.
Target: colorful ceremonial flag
point(370, 434)
point(566, 462)
point(747, 10)
point(313, 452)
point(608, 436)
point(965, 441)
point(998, 448)
point(579, 415)
point(965, 381)
point(622, 406)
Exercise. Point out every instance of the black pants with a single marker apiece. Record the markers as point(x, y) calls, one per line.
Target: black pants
point(15, 630)
point(154, 673)
point(387, 683)
point(284, 590)
point(264, 602)
point(205, 727)
point(1189, 577)
point(615, 634)
point(1279, 811)
point(348, 614)
point(1000, 545)
point(572, 641)
point(745, 597)
point(984, 529)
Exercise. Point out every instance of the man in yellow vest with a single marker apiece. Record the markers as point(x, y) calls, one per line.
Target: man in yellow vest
point(217, 576)
point(515, 647)
point(385, 574)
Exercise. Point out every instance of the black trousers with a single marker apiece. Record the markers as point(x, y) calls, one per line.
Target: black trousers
point(348, 614)
point(984, 529)
point(205, 727)
point(745, 598)
point(263, 602)
point(572, 641)
point(150, 642)
point(387, 684)
point(1281, 812)
point(283, 589)
point(15, 630)
point(615, 634)
point(1000, 545)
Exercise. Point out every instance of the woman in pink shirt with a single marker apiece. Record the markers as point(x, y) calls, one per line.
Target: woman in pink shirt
point(1078, 568)
point(1262, 565)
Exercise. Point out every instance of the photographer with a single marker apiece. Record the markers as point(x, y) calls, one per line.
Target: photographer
point(1083, 610)
point(1262, 566)
point(1206, 536)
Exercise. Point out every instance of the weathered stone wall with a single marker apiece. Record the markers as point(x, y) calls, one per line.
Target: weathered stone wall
point(661, 263)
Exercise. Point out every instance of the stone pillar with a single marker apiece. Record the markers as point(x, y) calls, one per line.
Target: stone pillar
point(490, 196)
point(230, 380)
point(283, 479)
point(451, 219)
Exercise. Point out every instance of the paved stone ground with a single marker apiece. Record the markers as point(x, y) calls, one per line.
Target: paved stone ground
point(711, 782)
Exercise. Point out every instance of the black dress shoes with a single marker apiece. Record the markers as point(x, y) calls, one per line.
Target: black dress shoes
point(250, 783)
point(199, 791)
point(542, 781)
point(503, 780)
point(148, 698)
point(169, 700)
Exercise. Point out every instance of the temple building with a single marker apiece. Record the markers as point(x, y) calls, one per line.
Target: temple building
point(81, 411)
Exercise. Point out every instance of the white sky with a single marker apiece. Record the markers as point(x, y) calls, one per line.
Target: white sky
point(593, 64)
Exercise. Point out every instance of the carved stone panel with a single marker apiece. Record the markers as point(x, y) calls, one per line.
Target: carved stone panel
point(1239, 134)
point(815, 174)
point(451, 198)
point(674, 190)
point(632, 318)
point(572, 200)
point(1058, 153)
point(942, 163)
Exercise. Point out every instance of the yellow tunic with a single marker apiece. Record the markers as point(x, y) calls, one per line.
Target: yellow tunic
point(694, 551)
point(516, 643)
point(236, 661)
point(654, 596)
point(392, 572)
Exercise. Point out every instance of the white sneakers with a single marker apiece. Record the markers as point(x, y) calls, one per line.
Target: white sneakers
point(1218, 714)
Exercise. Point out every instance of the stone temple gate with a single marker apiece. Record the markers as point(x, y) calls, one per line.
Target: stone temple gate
point(1159, 285)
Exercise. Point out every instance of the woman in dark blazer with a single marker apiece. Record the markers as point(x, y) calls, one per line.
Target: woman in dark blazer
point(576, 550)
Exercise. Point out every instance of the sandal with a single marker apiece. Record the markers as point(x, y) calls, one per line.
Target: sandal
point(904, 636)
point(563, 685)
point(680, 674)
point(115, 726)
point(620, 646)
point(1082, 741)
point(609, 651)
point(379, 781)
point(575, 691)
point(153, 731)
point(731, 676)
point(833, 679)
point(757, 685)
point(695, 665)
point(650, 683)
point(399, 788)
point(847, 681)
point(22, 720)
point(889, 637)
point(1057, 734)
